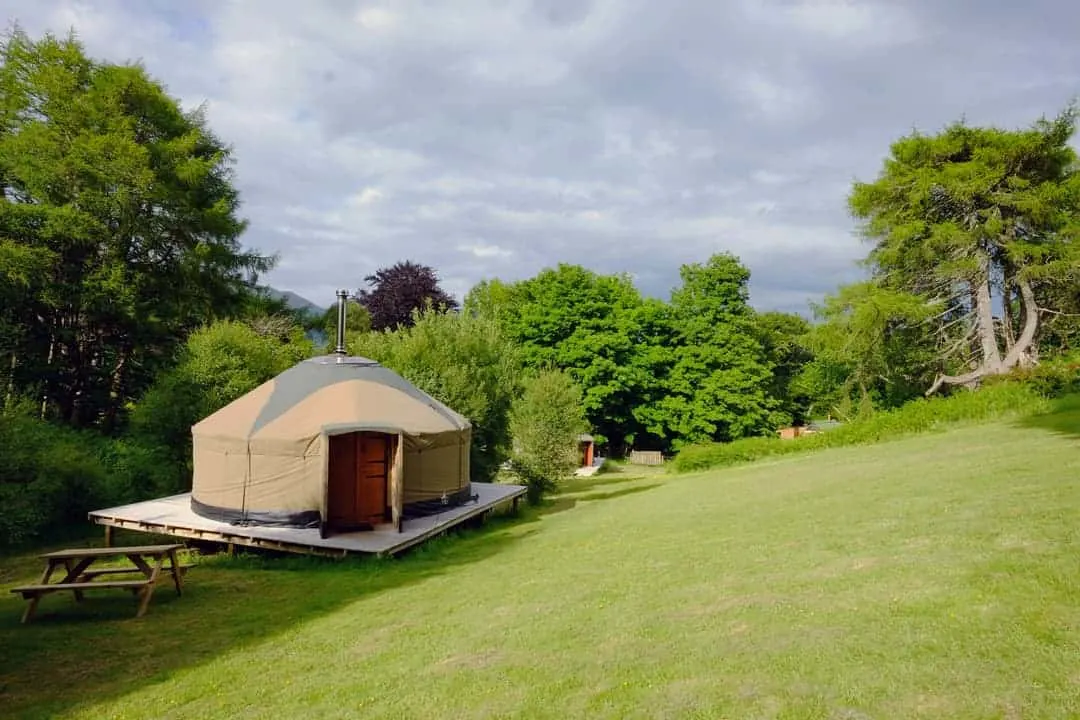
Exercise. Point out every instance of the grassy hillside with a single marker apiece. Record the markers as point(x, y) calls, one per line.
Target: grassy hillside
point(932, 577)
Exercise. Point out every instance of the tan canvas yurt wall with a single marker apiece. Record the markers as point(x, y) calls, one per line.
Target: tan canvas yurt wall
point(263, 459)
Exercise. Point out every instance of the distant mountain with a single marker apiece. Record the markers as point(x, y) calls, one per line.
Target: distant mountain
point(294, 301)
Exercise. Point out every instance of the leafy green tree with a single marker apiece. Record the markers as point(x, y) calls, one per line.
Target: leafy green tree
point(463, 361)
point(49, 477)
point(652, 362)
point(357, 320)
point(546, 421)
point(718, 387)
point(595, 327)
point(489, 298)
point(119, 232)
point(971, 218)
point(872, 347)
point(783, 337)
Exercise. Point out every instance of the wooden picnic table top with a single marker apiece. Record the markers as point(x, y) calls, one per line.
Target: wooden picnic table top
point(107, 551)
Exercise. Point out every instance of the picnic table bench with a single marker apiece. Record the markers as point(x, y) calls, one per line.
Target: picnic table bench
point(149, 560)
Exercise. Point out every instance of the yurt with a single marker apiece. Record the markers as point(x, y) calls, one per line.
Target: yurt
point(335, 442)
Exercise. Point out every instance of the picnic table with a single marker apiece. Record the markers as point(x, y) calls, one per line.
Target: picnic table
point(149, 560)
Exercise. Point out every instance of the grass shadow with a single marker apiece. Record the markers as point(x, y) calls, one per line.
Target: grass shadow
point(1063, 418)
point(101, 651)
point(616, 476)
point(564, 502)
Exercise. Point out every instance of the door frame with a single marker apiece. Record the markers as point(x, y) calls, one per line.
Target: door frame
point(392, 438)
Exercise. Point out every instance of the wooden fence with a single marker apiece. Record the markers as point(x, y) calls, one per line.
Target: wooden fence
point(646, 457)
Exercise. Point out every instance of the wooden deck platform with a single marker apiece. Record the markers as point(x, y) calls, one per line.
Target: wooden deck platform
point(173, 516)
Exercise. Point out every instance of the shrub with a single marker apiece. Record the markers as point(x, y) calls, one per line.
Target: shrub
point(922, 415)
point(546, 421)
point(1052, 378)
point(464, 362)
point(49, 477)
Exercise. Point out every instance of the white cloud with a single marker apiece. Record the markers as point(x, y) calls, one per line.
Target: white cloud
point(376, 19)
point(486, 138)
point(769, 177)
point(367, 196)
point(482, 250)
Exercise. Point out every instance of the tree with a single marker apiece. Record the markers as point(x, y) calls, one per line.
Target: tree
point(546, 422)
point(397, 291)
point(119, 232)
point(464, 362)
point(871, 348)
point(357, 320)
point(718, 387)
point(595, 327)
point(970, 219)
point(783, 337)
point(490, 298)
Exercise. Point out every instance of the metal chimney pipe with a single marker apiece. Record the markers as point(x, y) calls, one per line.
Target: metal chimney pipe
point(340, 349)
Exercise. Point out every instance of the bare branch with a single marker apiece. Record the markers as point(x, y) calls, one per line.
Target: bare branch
point(965, 379)
point(1059, 313)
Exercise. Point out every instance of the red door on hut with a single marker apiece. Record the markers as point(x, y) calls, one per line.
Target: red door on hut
point(586, 446)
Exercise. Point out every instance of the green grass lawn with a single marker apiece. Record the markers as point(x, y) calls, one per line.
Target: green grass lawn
point(932, 577)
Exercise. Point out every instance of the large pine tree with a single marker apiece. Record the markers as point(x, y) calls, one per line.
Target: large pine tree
point(980, 224)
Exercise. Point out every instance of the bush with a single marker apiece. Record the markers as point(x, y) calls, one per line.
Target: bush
point(922, 415)
point(1052, 378)
point(49, 477)
point(464, 362)
point(546, 421)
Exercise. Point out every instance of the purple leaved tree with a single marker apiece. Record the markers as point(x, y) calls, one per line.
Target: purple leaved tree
point(395, 292)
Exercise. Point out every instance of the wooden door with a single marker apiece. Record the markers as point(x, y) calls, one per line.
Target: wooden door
point(359, 466)
point(373, 461)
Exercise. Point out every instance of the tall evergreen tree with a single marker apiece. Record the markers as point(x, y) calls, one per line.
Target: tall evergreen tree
point(980, 224)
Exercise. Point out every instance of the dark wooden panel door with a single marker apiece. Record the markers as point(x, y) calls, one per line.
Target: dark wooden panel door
point(357, 474)
point(373, 461)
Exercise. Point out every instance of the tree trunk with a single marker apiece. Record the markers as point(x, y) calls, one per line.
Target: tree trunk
point(116, 389)
point(990, 362)
point(984, 318)
point(48, 380)
point(1020, 353)
point(9, 391)
point(1008, 329)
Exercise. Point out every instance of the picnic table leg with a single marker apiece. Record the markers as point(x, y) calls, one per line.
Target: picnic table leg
point(148, 589)
point(36, 598)
point(73, 573)
point(73, 577)
point(176, 575)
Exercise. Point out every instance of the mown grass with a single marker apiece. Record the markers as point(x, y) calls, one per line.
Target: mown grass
point(999, 401)
point(932, 577)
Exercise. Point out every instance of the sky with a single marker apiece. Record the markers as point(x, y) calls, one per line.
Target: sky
point(494, 139)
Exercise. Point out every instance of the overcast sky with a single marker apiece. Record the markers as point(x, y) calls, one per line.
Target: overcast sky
point(492, 139)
